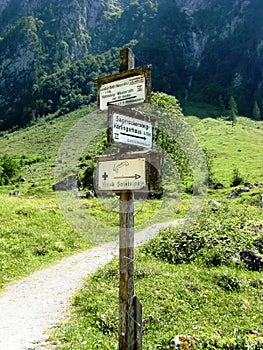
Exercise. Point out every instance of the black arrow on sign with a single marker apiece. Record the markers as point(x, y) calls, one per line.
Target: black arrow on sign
point(137, 137)
point(136, 177)
point(121, 99)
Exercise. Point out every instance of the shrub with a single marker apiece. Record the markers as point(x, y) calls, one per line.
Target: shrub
point(215, 256)
point(87, 177)
point(214, 240)
point(228, 282)
point(237, 178)
point(175, 246)
point(9, 168)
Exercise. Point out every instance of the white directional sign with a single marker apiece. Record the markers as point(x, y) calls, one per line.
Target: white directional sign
point(131, 131)
point(123, 174)
point(123, 92)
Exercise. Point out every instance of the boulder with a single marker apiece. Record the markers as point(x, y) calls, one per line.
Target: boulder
point(248, 184)
point(238, 192)
point(252, 260)
point(71, 182)
point(218, 186)
point(14, 193)
point(183, 342)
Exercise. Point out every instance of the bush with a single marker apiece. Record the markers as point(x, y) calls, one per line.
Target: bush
point(87, 177)
point(214, 240)
point(9, 168)
point(175, 246)
point(237, 178)
point(215, 256)
point(228, 282)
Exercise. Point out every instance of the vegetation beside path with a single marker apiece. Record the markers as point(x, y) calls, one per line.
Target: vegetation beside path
point(190, 283)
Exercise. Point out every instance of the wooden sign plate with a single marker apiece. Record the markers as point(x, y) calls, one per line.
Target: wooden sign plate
point(130, 127)
point(136, 171)
point(121, 174)
point(125, 88)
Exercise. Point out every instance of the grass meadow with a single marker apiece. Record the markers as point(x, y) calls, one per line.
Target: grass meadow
point(238, 147)
point(189, 283)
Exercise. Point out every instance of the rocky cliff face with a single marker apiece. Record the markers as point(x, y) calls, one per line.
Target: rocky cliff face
point(39, 37)
point(189, 42)
point(229, 16)
point(3, 4)
point(190, 6)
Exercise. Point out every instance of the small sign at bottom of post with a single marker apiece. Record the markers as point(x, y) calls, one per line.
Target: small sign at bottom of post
point(122, 174)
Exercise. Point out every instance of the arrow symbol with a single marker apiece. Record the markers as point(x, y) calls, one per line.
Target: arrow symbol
point(135, 136)
point(122, 99)
point(136, 177)
point(120, 165)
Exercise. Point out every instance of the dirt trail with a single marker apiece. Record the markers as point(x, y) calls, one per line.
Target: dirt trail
point(32, 306)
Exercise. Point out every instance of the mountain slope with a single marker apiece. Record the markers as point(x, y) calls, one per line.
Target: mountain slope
point(229, 148)
point(199, 49)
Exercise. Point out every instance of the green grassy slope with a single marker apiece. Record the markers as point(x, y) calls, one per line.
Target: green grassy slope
point(190, 283)
point(239, 147)
point(39, 143)
point(33, 231)
point(177, 298)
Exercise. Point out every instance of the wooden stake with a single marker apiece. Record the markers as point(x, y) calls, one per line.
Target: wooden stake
point(126, 290)
point(137, 305)
point(127, 59)
point(130, 313)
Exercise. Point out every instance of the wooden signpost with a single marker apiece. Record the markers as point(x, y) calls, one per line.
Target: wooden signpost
point(129, 127)
point(122, 175)
point(129, 87)
point(125, 173)
point(135, 171)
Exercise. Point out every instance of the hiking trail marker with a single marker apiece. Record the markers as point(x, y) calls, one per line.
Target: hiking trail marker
point(129, 127)
point(125, 173)
point(122, 92)
point(135, 171)
point(119, 175)
point(131, 86)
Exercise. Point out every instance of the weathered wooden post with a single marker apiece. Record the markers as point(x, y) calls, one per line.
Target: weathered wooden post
point(125, 173)
point(137, 307)
point(126, 247)
point(127, 59)
point(126, 259)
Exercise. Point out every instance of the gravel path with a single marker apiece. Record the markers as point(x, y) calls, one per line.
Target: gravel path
point(32, 306)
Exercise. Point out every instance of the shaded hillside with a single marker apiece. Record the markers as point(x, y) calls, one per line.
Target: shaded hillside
point(199, 50)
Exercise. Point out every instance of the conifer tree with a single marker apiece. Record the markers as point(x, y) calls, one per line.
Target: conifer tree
point(256, 111)
point(233, 110)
